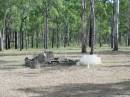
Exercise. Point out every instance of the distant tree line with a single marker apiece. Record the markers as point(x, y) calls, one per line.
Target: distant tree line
point(55, 23)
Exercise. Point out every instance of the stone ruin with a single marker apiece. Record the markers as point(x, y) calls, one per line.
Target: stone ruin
point(47, 59)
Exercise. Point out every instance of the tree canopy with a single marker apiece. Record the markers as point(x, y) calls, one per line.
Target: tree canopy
point(23, 22)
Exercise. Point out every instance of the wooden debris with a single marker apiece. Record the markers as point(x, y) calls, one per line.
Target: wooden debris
point(47, 59)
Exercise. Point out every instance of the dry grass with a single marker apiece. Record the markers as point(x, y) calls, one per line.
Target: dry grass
point(111, 79)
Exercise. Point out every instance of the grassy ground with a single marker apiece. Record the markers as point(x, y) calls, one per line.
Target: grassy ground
point(110, 79)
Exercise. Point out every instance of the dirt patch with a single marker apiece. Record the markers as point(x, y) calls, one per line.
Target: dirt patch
point(111, 79)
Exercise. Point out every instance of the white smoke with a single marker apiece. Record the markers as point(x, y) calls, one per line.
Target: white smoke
point(89, 60)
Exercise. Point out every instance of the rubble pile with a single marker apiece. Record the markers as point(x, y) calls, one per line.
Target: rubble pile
point(48, 59)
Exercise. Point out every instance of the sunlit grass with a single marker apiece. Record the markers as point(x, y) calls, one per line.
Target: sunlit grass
point(59, 50)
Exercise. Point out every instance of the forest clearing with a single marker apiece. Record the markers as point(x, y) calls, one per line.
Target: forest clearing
point(110, 79)
point(64, 48)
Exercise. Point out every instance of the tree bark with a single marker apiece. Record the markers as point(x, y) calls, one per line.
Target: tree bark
point(21, 35)
point(6, 41)
point(37, 40)
point(26, 41)
point(53, 38)
point(28, 38)
point(129, 40)
point(66, 31)
point(32, 42)
point(16, 40)
point(1, 42)
point(46, 28)
point(116, 25)
point(57, 34)
point(6, 30)
point(128, 23)
point(92, 25)
point(83, 18)
point(112, 27)
point(8, 35)
point(112, 39)
point(7, 38)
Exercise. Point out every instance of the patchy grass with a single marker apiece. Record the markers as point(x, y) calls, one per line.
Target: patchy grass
point(110, 79)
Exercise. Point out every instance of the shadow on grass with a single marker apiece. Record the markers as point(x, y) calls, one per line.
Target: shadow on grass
point(121, 89)
point(108, 52)
point(118, 61)
point(104, 52)
point(118, 66)
point(9, 65)
point(6, 62)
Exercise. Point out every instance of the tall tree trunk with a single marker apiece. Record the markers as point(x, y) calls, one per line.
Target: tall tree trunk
point(28, 38)
point(22, 40)
point(9, 39)
point(37, 39)
point(46, 29)
point(1, 45)
point(92, 25)
point(128, 40)
point(128, 23)
point(66, 32)
point(2, 40)
point(6, 39)
point(112, 39)
point(25, 36)
point(21, 35)
point(16, 40)
point(7, 29)
point(112, 27)
point(32, 41)
point(87, 31)
point(116, 24)
point(52, 39)
point(100, 41)
point(57, 34)
point(100, 30)
point(83, 18)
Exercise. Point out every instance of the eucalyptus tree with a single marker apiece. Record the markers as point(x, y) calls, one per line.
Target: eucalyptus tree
point(116, 24)
point(103, 13)
point(3, 12)
point(7, 26)
point(83, 19)
point(25, 4)
point(38, 23)
point(92, 25)
point(128, 22)
point(46, 6)
point(71, 19)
